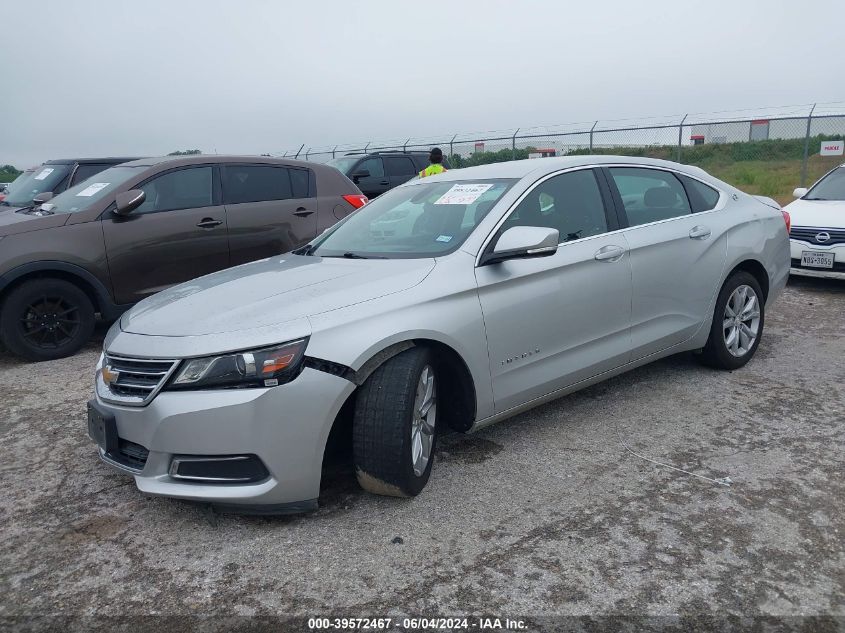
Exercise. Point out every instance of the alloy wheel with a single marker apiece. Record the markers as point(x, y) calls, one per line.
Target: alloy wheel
point(741, 324)
point(423, 422)
point(50, 322)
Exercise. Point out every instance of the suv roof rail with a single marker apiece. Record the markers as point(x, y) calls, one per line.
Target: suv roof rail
point(399, 151)
point(386, 151)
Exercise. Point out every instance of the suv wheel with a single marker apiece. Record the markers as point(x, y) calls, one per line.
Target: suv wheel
point(394, 427)
point(737, 323)
point(45, 319)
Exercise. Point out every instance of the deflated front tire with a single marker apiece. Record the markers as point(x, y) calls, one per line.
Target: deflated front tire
point(394, 427)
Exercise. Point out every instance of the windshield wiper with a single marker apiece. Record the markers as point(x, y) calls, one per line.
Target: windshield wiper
point(815, 198)
point(351, 255)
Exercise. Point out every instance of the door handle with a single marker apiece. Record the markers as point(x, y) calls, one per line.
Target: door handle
point(209, 223)
point(699, 233)
point(609, 253)
point(384, 182)
point(302, 212)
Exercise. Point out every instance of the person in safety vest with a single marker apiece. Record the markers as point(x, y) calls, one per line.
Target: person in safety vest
point(436, 160)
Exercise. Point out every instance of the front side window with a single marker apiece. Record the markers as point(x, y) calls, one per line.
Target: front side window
point(423, 220)
point(650, 195)
point(570, 202)
point(372, 165)
point(255, 183)
point(181, 189)
point(831, 187)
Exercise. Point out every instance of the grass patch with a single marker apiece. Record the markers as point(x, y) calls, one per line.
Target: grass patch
point(765, 168)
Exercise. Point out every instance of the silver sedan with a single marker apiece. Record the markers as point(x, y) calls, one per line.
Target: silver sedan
point(454, 301)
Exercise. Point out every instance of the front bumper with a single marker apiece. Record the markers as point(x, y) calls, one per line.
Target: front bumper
point(796, 247)
point(285, 426)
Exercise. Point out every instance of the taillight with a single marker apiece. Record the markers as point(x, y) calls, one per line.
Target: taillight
point(787, 219)
point(357, 200)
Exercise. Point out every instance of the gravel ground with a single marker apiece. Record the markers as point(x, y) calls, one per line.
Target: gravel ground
point(545, 514)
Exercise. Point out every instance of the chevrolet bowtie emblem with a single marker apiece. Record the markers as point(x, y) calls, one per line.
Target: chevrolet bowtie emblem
point(109, 375)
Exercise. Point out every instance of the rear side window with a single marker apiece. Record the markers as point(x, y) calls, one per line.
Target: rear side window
point(299, 179)
point(181, 189)
point(399, 166)
point(650, 195)
point(84, 172)
point(255, 183)
point(702, 197)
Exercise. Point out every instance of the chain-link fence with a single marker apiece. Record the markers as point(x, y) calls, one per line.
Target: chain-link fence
point(767, 151)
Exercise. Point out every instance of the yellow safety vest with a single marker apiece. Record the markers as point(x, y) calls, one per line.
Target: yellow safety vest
point(431, 170)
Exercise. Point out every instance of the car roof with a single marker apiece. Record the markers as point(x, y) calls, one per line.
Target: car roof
point(204, 159)
point(541, 166)
point(83, 161)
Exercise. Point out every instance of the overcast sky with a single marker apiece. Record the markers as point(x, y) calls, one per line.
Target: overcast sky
point(146, 77)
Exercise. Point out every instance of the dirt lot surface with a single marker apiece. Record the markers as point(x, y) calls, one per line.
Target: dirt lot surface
point(546, 514)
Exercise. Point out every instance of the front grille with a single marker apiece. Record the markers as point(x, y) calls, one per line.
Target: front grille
point(808, 234)
point(838, 267)
point(133, 381)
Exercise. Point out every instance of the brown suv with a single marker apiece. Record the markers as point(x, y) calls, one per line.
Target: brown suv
point(139, 227)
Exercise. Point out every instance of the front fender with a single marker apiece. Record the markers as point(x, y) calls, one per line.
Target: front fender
point(356, 336)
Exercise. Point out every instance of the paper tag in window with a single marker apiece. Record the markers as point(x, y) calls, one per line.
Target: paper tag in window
point(44, 173)
point(444, 238)
point(462, 194)
point(93, 188)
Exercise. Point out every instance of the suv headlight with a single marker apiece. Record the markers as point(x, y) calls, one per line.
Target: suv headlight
point(265, 367)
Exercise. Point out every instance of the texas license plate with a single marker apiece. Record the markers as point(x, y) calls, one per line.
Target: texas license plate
point(816, 259)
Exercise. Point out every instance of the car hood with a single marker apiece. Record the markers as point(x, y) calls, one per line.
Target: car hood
point(270, 292)
point(829, 214)
point(12, 223)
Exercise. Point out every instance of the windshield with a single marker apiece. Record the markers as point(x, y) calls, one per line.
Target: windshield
point(344, 163)
point(30, 184)
point(421, 220)
point(831, 187)
point(89, 191)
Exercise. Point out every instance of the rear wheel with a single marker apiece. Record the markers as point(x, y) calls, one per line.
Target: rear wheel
point(738, 320)
point(45, 319)
point(394, 428)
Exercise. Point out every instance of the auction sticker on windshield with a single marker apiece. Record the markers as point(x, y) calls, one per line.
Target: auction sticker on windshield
point(463, 194)
point(93, 188)
point(44, 173)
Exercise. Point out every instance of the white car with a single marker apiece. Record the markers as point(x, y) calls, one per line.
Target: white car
point(817, 234)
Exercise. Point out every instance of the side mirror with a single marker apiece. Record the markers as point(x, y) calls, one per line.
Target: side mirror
point(363, 173)
point(521, 242)
point(127, 201)
point(800, 192)
point(42, 197)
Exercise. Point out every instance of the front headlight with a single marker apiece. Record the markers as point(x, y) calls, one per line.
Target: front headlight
point(266, 367)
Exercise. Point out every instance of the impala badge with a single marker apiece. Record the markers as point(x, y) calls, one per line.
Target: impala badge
point(513, 359)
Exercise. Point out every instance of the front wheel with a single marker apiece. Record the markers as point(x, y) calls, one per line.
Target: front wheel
point(738, 320)
point(394, 427)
